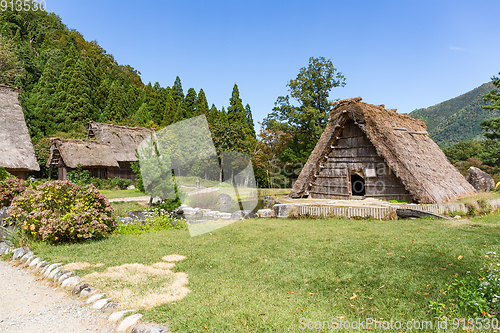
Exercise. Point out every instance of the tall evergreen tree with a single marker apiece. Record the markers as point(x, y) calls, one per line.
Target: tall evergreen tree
point(213, 115)
point(249, 121)
point(202, 104)
point(223, 117)
point(236, 111)
point(115, 108)
point(190, 104)
point(44, 99)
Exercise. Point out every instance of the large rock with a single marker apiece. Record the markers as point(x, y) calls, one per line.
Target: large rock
point(225, 202)
point(480, 179)
point(283, 210)
point(242, 215)
point(136, 215)
point(263, 213)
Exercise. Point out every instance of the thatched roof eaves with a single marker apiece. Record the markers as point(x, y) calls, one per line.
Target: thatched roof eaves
point(123, 140)
point(404, 144)
point(16, 148)
point(84, 152)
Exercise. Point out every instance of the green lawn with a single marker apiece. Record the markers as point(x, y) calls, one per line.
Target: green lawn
point(264, 275)
point(115, 194)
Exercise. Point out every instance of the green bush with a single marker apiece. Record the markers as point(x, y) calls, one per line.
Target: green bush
point(9, 189)
point(169, 205)
point(121, 183)
point(79, 176)
point(155, 219)
point(61, 211)
point(109, 184)
point(4, 174)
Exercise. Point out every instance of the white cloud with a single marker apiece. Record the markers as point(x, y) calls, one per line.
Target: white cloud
point(455, 48)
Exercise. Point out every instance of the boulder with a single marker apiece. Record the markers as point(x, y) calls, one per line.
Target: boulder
point(141, 328)
point(78, 289)
point(480, 179)
point(87, 292)
point(110, 307)
point(100, 304)
point(136, 215)
point(128, 322)
point(242, 215)
point(131, 187)
point(225, 202)
point(283, 210)
point(3, 248)
point(265, 213)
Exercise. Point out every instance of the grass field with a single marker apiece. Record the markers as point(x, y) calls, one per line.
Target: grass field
point(264, 275)
point(115, 194)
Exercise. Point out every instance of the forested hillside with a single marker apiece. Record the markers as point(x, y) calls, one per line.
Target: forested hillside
point(458, 119)
point(67, 81)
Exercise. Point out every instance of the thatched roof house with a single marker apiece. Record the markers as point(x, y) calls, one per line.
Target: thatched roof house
point(123, 140)
point(368, 151)
point(94, 156)
point(17, 155)
point(107, 155)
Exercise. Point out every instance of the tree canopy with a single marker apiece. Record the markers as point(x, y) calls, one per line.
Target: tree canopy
point(307, 120)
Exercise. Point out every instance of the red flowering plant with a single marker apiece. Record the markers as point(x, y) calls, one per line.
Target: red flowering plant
point(9, 189)
point(60, 211)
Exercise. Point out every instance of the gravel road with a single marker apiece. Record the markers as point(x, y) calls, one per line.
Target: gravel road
point(31, 305)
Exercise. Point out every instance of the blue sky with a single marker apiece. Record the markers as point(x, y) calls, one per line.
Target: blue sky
point(404, 54)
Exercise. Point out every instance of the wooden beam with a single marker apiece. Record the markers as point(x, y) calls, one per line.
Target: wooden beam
point(406, 213)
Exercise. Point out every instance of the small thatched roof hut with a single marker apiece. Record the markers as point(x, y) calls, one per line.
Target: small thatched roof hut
point(369, 151)
point(123, 140)
point(70, 153)
point(16, 150)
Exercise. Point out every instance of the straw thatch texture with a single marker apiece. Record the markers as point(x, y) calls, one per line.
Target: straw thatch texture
point(70, 153)
point(401, 141)
point(16, 149)
point(123, 140)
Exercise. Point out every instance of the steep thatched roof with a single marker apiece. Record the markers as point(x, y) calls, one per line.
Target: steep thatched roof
point(70, 153)
point(404, 144)
point(123, 140)
point(16, 149)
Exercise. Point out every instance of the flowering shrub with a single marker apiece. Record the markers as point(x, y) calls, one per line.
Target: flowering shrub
point(61, 211)
point(9, 189)
point(155, 219)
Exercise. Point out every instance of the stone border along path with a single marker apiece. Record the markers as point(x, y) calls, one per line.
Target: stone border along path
point(80, 290)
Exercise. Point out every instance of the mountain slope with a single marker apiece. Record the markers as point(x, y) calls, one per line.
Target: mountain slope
point(458, 119)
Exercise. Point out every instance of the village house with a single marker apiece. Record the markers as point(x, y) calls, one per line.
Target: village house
point(108, 152)
point(367, 151)
point(17, 155)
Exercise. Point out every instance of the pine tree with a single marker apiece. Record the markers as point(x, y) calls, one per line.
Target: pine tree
point(249, 121)
point(202, 104)
point(213, 115)
point(190, 104)
point(236, 112)
point(115, 108)
point(223, 117)
point(44, 99)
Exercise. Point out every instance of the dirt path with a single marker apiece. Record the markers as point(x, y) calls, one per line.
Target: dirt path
point(28, 305)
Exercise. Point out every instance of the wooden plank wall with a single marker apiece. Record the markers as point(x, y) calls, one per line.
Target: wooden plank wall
point(354, 152)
